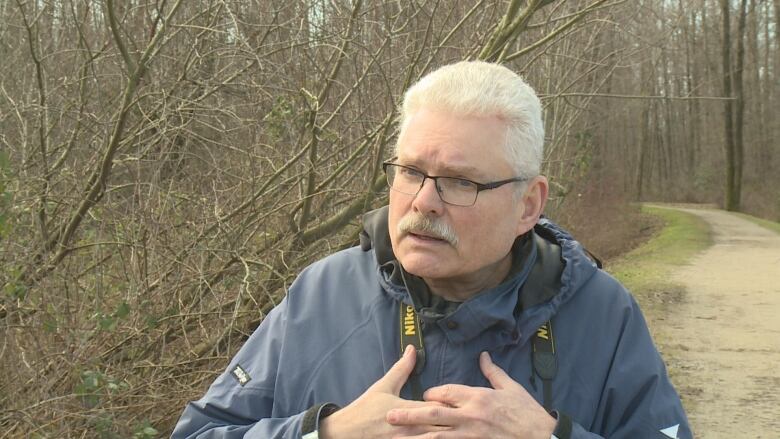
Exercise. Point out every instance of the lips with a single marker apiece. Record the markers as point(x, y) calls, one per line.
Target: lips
point(425, 237)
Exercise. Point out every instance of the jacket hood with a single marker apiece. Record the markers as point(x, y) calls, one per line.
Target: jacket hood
point(579, 264)
point(375, 235)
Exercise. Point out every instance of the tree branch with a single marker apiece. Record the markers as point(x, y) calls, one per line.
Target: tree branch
point(555, 32)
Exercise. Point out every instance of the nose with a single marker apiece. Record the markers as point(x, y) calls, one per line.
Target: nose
point(427, 200)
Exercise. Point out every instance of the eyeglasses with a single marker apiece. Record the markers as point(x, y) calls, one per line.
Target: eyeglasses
point(451, 190)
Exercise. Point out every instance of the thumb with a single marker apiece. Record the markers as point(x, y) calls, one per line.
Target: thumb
point(494, 374)
point(396, 377)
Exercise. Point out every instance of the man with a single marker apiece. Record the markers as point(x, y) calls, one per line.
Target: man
point(513, 331)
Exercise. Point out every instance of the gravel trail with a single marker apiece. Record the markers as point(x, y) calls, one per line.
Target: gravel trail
point(721, 335)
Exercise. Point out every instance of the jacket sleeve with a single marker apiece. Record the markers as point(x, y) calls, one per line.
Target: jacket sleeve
point(202, 421)
point(241, 402)
point(638, 400)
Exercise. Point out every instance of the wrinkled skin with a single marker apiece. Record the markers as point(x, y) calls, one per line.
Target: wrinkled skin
point(441, 144)
point(365, 417)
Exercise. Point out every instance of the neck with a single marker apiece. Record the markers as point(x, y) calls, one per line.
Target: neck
point(462, 288)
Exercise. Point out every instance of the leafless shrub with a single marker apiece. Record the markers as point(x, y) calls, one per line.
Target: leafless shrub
point(169, 167)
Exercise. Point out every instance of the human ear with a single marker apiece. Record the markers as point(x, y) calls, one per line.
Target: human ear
point(532, 202)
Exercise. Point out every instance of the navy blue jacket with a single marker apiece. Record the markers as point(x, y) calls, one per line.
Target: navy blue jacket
point(337, 332)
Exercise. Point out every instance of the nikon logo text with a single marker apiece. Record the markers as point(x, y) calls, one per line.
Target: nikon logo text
point(543, 332)
point(409, 321)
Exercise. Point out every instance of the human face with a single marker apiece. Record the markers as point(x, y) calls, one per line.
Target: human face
point(439, 143)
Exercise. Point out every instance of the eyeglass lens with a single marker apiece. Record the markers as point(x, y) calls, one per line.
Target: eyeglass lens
point(455, 191)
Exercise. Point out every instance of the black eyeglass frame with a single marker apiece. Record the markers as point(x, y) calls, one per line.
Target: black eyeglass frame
point(480, 186)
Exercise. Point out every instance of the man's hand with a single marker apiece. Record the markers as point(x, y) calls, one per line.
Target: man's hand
point(366, 416)
point(505, 411)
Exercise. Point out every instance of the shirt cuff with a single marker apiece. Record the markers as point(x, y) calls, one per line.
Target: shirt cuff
point(313, 416)
point(563, 427)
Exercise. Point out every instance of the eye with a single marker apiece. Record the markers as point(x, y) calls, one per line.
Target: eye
point(463, 184)
point(457, 184)
point(410, 173)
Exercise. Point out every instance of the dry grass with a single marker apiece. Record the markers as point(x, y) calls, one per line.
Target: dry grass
point(606, 224)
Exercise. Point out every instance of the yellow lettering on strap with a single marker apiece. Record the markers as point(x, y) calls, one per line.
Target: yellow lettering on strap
point(543, 332)
point(409, 321)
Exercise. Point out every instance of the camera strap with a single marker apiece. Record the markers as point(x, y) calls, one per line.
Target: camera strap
point(411, 334)
point(544, 360)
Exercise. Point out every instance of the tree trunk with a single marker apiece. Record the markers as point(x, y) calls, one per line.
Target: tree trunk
point(739, 114)
point(732, 199)
point(777, 24)
point(692, 107)
point(645, 129)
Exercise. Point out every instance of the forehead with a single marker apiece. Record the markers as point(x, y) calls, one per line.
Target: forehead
point(440, 141)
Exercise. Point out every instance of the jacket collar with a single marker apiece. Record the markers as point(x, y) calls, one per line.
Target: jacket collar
point(557, 270)
point(534, 281)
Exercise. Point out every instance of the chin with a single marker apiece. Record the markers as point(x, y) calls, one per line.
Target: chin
point(425, 266)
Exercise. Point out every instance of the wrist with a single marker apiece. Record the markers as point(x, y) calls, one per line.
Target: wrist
point(545, 426)
point(327, 428)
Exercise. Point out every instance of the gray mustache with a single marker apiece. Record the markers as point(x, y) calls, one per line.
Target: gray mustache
point(421, 224)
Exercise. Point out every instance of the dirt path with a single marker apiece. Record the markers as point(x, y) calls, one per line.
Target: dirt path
point(721, 339)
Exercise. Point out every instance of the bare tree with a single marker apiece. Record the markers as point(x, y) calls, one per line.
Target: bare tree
point(733, 117)
point(167, 168)
point(173, 165)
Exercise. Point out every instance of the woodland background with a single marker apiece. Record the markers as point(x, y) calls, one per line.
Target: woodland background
point(167, 167)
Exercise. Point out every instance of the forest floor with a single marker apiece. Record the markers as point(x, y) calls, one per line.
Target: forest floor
point(716, 320)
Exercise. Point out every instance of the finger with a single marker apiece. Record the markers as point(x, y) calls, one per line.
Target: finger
point(396, 377)
point(420, 431)
point(429, 432)
point(427, 415)
point(453, 395)
point(494, 374)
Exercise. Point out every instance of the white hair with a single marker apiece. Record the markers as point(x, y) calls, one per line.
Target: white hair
point(477, 88)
